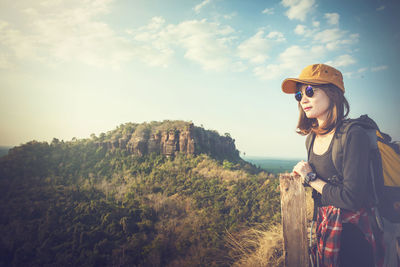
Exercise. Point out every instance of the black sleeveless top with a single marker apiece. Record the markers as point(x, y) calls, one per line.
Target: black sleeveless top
point(323, 166)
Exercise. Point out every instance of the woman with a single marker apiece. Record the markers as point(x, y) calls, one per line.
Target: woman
point(344, 234)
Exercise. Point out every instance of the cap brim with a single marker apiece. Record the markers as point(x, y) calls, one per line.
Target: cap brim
point(289, 85)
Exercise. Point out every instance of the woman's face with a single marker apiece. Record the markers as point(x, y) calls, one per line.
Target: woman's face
point(316, 106)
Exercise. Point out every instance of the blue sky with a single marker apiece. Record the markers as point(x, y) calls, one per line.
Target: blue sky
point(72, 68)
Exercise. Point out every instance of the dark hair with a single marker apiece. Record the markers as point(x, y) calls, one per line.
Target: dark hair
point(338, 110)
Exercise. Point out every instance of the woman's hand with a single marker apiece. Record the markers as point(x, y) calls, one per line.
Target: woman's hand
point(302, 168)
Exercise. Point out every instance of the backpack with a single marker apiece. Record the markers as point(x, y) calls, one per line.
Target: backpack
point(384, 165)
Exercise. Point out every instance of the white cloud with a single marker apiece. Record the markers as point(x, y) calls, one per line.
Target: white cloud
point(296, 57)
point(230, 16)
point(290, 63)
point(3, 24)
point(276, 36)
point(268, 72)
point(332, 18)
point(238, 66)
point(335, 38)
point(150, 43)
point(4, 62)
point(316, 23)
point(329, 35)
point(342, 61)
point(380, 8)
point(268, 11)
point(206, 43)
point(255, 49)
point(356, 74)
point(362, 70)
point(298, 9)
point(198, 7)
point(305, 31)
point(59, 31)
point(15, 42)
point(156, 23)
point(300, 29)
point(351, 39)
point(203, 42)
point(209, 44)
point(318, 50)
point(379, 68)
point(56, 31)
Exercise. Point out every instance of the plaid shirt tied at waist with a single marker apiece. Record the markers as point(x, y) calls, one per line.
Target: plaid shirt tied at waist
point(329, 228)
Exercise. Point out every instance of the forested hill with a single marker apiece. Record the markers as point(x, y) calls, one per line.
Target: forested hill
point(126, 199)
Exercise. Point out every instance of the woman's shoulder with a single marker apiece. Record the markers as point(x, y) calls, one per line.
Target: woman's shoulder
point(350, 126)
point(353, 131)
point(357, 135)
point(357, 129)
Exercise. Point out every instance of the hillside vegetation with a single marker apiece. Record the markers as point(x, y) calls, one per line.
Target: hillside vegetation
point(78, 203)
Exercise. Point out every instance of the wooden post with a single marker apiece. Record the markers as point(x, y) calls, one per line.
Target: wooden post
point(294, 221)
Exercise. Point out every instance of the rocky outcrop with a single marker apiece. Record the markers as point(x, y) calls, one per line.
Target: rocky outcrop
point(183, 138)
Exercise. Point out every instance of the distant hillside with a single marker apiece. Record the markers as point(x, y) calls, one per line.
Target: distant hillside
point(273, 165)
point(4, 150)
point(102, 201)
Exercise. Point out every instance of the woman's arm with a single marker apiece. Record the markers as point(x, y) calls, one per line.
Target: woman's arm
point(303, 168)
point(353, 193)
point(318, 185)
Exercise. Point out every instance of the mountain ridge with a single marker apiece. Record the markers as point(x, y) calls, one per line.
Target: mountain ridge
point(169, 138)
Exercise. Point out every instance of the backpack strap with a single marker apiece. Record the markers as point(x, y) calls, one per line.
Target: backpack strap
point(309, 141)
point(340, 138)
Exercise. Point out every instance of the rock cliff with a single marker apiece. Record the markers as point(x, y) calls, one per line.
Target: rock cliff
point(169, 138)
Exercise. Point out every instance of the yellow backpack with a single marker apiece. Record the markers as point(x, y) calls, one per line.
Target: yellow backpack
point(384, 166)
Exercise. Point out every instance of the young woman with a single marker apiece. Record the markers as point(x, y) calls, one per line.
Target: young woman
point(344, 233)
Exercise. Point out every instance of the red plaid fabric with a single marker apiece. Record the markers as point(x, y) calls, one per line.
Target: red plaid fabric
point(329, 228)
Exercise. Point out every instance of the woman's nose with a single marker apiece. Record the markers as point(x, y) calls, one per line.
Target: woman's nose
point(304, 99)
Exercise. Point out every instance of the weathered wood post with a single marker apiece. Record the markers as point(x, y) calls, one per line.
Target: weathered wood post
point(294, 221)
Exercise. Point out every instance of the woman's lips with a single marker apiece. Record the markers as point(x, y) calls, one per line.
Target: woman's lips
point(307, 108)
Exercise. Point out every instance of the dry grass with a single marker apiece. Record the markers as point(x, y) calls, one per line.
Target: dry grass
point(257, 247)
point(261, 247)
point(212, 169)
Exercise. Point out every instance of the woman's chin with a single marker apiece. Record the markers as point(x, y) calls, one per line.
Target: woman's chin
point(310, 116)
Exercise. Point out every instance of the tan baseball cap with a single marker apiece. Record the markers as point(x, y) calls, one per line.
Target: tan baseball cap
point(313, 75)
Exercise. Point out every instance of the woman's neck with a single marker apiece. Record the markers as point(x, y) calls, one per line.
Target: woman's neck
point(327, 135)
point(321, 120)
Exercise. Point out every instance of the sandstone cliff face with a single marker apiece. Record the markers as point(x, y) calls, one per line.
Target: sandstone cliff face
point(188, 140)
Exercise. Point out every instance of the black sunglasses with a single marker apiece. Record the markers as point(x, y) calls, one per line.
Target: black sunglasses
point(309, 93)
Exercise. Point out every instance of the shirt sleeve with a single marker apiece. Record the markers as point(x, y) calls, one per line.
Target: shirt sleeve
point(352, 194)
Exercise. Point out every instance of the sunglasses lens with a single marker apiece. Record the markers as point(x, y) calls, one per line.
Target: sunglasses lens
point(298, 96)
point(309, 91)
